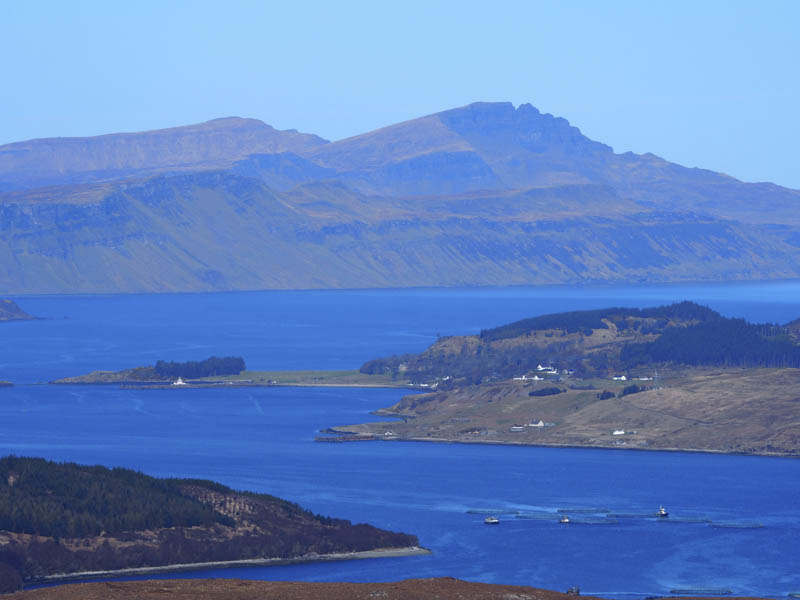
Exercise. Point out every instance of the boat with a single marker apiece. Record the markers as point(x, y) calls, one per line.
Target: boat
point(491, 520)
point(662, 512)
point(564, 519)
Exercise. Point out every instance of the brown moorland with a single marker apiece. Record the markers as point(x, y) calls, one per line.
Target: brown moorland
point(445, 588)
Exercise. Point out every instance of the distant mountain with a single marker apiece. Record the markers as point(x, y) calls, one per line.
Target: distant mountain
point(495, 146)
point(487, 194)
point(214, 144)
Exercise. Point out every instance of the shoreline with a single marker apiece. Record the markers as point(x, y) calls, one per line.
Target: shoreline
point(374, 437)
point(227, 564)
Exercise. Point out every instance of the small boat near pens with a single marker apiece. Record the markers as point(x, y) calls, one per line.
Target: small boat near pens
point(564, 519)
point(491, 520)
point(662, 512)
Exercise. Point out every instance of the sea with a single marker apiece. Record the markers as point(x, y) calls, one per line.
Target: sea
point(262, 439)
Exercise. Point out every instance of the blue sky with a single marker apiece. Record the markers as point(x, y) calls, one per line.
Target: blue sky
point(703, 83)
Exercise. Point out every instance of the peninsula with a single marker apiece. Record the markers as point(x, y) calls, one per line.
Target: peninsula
point(229, 371)
point(62, 521)
point(678, 377)
point(11, 311)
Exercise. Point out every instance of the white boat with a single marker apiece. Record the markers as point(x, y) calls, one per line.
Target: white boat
point(564, 519)
point(662, 512)
point(491, 520)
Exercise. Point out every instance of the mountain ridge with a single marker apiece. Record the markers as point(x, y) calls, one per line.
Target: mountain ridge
point(485, 194)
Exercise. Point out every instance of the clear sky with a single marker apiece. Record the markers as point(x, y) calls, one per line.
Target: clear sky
point(703, 83)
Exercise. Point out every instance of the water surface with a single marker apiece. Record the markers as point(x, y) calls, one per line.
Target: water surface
point(262, 439)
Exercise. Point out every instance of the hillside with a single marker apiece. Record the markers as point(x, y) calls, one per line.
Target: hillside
point(668, 377)
point(60, 519)
point(220, 231)
point(752, 411)
point(598, 343)
point(445, 588)
point(486, 194)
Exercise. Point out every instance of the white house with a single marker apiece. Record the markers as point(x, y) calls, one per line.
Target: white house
point(619, 378)
point(618, 432)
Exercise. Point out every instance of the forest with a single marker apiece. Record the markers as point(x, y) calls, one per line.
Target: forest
point(720, 342)
point(210, 367)
point(70, 500)
point(45, 498)
point(572, 322)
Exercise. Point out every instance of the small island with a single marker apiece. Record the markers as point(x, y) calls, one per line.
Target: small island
point(678, 377)
point(62, 521)
point(227, 371)
point(11, 311)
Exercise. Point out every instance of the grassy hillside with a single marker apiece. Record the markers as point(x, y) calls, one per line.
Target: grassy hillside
point(679, 377)
point(219, 231)
point(751, 411)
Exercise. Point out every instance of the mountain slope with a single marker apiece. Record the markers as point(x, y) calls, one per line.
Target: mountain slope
point(496, 146)
point(486, 194)
point(219, 231)
point(216, 143)
point(520, 147)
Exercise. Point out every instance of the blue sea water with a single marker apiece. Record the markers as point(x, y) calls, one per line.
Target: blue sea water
point(262, 439)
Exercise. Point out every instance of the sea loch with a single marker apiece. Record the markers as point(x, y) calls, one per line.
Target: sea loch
point(262, 439)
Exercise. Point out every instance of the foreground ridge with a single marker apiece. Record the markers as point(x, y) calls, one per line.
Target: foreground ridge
point(445, 588)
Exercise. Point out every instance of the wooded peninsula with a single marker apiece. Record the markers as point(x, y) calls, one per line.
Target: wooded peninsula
point(61, 520)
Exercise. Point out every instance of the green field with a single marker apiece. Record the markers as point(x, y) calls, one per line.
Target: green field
point(352, 378)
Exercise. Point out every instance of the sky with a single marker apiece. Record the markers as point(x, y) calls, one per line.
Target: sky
point(704, 83)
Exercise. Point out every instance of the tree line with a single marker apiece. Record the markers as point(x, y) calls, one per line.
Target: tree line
point(585, 320)
point(210, 367)
point(69, 500)
point(721, 342)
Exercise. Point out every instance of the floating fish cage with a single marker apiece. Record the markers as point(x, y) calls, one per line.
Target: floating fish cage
point(536, 516)
point(633, 516)
point(793, 594)
point(584, 511)
point(684, 520)
point(599, 521)
point(491, 511)
point(737, 525)
point(701, 591)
